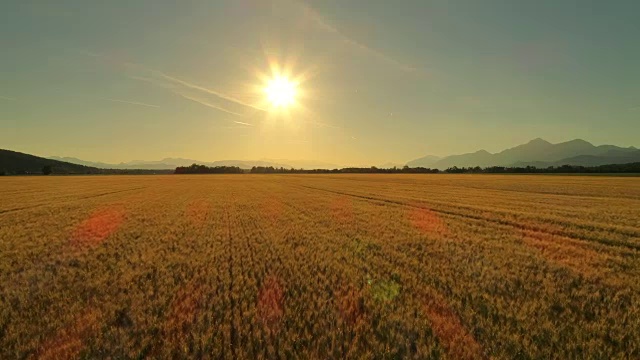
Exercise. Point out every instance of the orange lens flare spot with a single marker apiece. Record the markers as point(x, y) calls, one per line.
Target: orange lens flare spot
point(98, 226)
point(427, 221)
point(271, 304)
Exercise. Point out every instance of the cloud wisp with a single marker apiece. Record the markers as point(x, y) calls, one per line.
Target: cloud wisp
point(194, 92)
point(218, 100)
point(322, 23)
point(178, 87)
point(8, 98)
point(209, 91)
point(243, 123)
point(206, 103)
point(130, 102)
point(120, 101)
point(205, 96)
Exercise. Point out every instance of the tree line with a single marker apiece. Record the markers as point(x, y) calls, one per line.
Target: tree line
point(631, 168)
point(202, 169)
point(349, 170)
point(564, 169)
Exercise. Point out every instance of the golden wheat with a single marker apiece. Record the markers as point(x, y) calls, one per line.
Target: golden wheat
point(320, 266)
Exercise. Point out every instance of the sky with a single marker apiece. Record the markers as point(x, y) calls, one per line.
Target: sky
point(377, 81)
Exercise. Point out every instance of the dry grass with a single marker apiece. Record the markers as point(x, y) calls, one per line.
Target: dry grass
point(320, 266)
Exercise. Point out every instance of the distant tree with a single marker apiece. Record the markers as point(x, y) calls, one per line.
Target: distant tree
point(2, 173)
point(47, 170)
point(456, 170)
point(202, 169)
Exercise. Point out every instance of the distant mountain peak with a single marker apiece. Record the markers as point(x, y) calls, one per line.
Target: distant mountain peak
point(578, 141)
point(539, 141)
point(425, 161)
point(540, 151)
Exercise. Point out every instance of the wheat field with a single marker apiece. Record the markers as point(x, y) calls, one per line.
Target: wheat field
point(320, 267)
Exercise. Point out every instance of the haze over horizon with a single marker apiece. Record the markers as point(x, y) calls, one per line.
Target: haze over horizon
point(300, 162)
point(149, 80)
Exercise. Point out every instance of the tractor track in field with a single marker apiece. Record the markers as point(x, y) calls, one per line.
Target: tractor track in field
point(454, 336)
point(517, 225)
point(69, 201)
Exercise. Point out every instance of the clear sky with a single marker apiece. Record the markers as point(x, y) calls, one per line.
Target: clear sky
point(379, 80)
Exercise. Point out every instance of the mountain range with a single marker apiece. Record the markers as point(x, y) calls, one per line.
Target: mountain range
point(539, 153)
point(172, 163)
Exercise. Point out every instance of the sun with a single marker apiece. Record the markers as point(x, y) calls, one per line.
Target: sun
point(281, 91)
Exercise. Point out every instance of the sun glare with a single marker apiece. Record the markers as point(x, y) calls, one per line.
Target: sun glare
point(281, 91)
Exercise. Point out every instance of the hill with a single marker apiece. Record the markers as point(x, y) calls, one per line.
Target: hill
point(17, 163)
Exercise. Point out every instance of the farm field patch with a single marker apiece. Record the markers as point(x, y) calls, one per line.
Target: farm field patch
point(320, 266)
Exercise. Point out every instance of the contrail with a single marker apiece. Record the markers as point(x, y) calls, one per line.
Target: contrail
point(243, 123)
point(207, 104)
point(130, 102)
point(137, 103)
point(152, 81)
point(206, 90)
point(323, 24)
point(175, 80)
